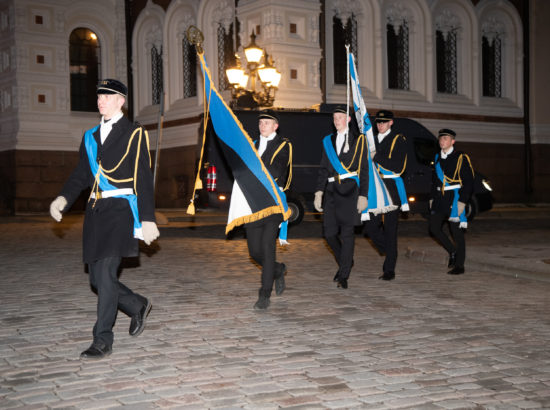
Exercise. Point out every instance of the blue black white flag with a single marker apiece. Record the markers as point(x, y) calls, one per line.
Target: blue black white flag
point(262, 196)
point(379, 199)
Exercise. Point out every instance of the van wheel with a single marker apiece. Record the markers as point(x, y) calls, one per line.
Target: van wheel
point(471, 209)
point(297, 211)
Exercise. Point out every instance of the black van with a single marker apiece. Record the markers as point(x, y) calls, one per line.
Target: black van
point(306, 129)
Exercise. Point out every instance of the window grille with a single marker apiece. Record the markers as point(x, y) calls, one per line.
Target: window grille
point(492, 66)
point(446, 62)
point(398, 56)
point(189, 69)
point(156, 74)
point(85, 67)
point(226, 55)
point(342, 36)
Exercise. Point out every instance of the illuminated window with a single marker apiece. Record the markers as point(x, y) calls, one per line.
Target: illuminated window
point(84, 56)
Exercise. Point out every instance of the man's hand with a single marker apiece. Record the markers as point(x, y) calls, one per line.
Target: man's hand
point(150, 231)
point(460, 207)
point(318, 201)
point(56, 207)
point(362, 203)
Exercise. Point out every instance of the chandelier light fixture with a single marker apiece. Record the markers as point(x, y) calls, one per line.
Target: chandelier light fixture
point(262, 75)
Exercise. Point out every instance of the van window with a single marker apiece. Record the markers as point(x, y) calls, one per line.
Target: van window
point(425, 150)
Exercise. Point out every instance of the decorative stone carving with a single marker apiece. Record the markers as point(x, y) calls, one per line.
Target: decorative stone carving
point(343, 9)
point(447, 22)
point(313, 32)
point(59, 21)
point(492, 28)
point(397, 14)
point(314, 74)
point(154, 38)
point(188, 20)
point(272, 25)
point(61, 63)
point(224, 15)
point(22, 60)
point(62, 100)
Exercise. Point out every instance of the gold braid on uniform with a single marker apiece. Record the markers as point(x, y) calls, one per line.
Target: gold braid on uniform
point(360, 139)
point(106, 172)
point(456, 176)
point(391, 150)
point(289, 179)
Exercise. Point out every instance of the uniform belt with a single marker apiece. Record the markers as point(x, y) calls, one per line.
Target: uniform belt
point(390, 176)
point(343, 176)
point(113, 192)
point(450, 187)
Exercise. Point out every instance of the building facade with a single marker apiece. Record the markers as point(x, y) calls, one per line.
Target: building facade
point(477, 67)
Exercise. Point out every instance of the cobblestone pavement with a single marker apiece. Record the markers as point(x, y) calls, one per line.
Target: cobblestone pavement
point(425, 341)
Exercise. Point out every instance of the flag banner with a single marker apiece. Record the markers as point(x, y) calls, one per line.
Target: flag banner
point(379, 200)
point(258, 192)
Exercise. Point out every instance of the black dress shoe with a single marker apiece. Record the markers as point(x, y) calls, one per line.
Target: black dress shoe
point(137, 324)
point(343, 283)
point(387, 276)
point(96, 351)
point(457, 270)
point(336, 277)
point(280, 281)
point(452, 260)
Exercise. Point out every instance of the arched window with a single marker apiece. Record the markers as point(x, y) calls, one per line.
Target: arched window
point(446, 61)
point(85, 64)
point(226, 54)
point(491, 56)
point(398, 55)
point(342, 34)
point(189, 69)
point(156, 73)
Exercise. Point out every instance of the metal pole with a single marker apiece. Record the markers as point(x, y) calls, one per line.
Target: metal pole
point(159, 137)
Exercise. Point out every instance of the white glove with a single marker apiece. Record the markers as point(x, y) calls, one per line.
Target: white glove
point(362, 203)
point(150, 231)
point(460, 207)
point(431, 202)
point(318, 201)
point(57, 205)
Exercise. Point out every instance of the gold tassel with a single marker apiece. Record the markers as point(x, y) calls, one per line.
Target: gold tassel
point(191, 209)
point(198, 183)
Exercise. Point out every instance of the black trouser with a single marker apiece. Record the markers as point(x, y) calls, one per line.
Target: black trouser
point(111, 296)
point(342, 246)
point(261, 239)
point(382, 230)
point(459, 246)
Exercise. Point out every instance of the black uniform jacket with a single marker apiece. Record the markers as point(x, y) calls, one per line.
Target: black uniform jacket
point(458, 169)
point(108, 223)
point(340, 201)
point(391, 154)
point(276, 158)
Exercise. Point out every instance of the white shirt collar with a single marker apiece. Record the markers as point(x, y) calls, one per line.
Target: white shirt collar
point(381, 136)
point(445, 155)
point(106, 127)
point(264, 141)
point(340, 139)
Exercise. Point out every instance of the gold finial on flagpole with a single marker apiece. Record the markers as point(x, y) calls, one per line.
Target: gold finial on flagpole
point(195, 37)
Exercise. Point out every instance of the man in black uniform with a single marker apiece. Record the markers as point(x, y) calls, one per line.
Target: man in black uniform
point(452, 188)
point(342, 187)
point(275, 152)
point(391, 160)
point(115, 163)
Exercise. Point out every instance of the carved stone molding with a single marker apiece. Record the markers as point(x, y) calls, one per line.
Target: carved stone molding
point(272, 25)
point(188, 20)
point(493, 28)
point(343, 9)
point(313, 32)
point(154, 38)
point(447, 22)
point(224, 15)
point(397, 14)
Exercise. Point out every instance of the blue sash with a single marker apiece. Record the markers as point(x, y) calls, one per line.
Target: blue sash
point(333, 158)
point(400, 188)
point(103, 183)
point(454, 217)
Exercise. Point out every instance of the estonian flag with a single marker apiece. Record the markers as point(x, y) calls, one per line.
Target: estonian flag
point(260, 191)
